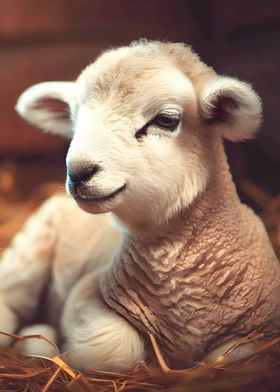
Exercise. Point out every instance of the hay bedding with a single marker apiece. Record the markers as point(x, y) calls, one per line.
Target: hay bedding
point(260, 372)
point(255, 373)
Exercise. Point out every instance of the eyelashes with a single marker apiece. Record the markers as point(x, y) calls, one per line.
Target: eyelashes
point(167, 121)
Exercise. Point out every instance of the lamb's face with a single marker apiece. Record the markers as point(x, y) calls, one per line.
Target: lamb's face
point(140, 147)
point(135, 150)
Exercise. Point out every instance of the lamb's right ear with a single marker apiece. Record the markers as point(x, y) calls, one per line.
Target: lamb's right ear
point(47, 106)
point(232, 107)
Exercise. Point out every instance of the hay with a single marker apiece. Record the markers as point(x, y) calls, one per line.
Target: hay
point(259, 372)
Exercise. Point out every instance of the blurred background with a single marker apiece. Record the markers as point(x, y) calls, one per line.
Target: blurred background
point(55, 39)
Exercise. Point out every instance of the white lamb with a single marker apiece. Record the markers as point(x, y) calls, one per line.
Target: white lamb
point(179, 257)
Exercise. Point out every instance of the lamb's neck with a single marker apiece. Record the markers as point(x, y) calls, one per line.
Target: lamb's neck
point(209, 210)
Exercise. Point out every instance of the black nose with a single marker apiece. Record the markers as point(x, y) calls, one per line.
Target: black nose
point(79, 174)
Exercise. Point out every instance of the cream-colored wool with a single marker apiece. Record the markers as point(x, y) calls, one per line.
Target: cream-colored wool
point(177, 255)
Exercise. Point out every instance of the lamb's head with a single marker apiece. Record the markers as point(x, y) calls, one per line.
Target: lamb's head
point(145, 121)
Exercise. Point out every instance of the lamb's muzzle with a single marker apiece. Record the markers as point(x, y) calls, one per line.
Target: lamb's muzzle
point(83, 173)
point(182, 258)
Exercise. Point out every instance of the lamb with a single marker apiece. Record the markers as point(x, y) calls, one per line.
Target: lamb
point(154, 238)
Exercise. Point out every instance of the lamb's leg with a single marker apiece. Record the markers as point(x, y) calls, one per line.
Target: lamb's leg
point(231, 353)
point(95, 336)
point(35, 345)
point(25, 267)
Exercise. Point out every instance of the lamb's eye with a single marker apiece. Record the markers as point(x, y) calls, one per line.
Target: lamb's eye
point(167, 121)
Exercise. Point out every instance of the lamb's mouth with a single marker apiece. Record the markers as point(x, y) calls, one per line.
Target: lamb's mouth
point(97, 199)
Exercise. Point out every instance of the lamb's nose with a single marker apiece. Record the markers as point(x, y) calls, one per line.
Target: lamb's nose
point(81, 173)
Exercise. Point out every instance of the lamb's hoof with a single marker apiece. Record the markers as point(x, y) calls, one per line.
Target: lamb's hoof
point(37, 346)
point(226, 353)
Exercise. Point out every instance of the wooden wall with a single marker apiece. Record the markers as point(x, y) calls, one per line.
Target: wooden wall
point(53, 40)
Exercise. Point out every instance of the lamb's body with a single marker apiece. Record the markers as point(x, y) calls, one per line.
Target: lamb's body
point(212, 274)
point(190, 264)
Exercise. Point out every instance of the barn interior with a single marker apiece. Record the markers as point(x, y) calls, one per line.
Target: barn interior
point(54, 40)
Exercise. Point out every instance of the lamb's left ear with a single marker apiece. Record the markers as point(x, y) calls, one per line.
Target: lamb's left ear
point(232, 107)
point(47, 106)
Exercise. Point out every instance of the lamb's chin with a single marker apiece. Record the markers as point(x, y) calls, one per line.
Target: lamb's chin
point(96, 207)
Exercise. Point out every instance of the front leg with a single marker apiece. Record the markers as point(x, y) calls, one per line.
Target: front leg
point(25, 267)
point(95, 336)
point(231, 351)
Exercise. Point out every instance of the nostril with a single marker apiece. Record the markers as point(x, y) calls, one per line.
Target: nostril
point(82, 173)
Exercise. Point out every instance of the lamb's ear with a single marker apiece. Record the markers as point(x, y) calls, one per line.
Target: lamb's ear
point(232, 107)
point(46, 105)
